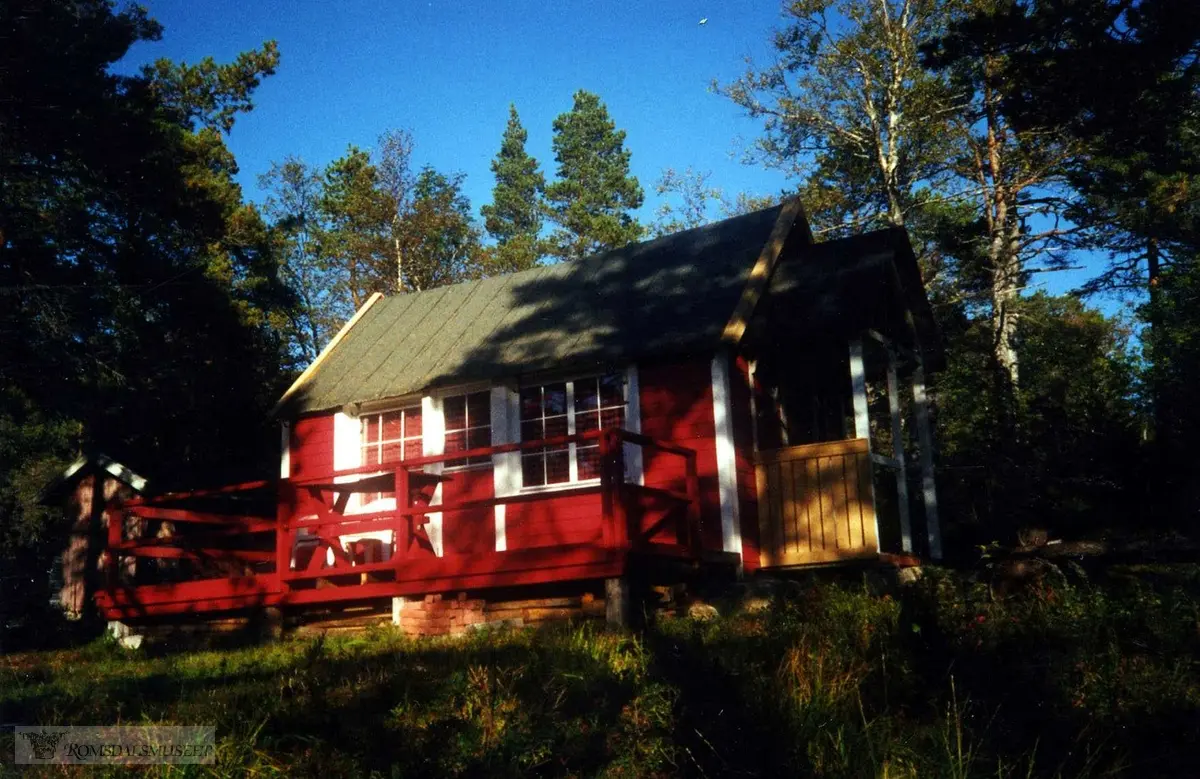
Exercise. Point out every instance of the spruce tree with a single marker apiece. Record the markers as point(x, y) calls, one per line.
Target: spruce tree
point(514, 217)
point(592, 199)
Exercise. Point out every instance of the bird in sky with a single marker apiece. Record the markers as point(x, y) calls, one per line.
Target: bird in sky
point(704, 21)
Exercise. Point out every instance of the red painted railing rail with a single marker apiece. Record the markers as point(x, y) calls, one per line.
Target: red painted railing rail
point(214, 536)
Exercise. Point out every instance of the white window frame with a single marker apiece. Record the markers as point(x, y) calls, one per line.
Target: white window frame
point(633, 457)
point(443, 397)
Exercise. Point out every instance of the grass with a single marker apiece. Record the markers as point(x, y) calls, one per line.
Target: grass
point(1067, 679)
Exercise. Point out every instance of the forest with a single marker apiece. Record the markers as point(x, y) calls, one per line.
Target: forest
point(151, 309)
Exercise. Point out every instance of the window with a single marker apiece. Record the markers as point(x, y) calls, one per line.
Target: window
point(389, 437)
point(565, 408)
point(468, 426)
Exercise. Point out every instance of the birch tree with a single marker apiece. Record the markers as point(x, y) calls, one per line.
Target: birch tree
point(848, 108)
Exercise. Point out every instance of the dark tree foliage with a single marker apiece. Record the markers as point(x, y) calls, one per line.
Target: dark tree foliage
point(1122, 81)
point(592, 199)
point(139, 301)
point(514, 217)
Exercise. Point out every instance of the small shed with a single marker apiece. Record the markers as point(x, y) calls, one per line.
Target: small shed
point(85, 491)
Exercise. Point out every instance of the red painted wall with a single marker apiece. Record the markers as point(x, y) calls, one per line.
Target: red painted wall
point(677, 405)
point(311, 450)
point(472, 531)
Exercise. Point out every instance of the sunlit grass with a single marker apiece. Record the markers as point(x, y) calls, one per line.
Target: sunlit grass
point(1069, 679)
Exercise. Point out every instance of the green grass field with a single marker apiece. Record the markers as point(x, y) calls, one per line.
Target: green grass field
point(1069, 678)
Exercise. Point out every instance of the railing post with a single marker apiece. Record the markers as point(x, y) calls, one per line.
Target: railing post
point(284, 508)
point(692, 531)
point(404, 530)
point(617, 482)
point(116, 534)
point(607, 515)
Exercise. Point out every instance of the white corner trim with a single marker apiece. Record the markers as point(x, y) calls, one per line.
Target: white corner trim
point(506, 468)
point(347, 441)
point(731, 526)
point(858, 382)
point(635, 470)
point(285, 450)
point(433, 442)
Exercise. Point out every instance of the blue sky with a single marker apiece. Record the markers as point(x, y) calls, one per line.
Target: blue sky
point(448, 71)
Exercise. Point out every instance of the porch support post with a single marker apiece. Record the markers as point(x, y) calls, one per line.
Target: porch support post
point(858, 381)
point(397, 608)
point(617, 607)
point(898, 449)
point(862, 423)
point(727, 487)
point(928, 485)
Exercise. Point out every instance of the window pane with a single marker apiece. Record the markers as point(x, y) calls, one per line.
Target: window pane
point(558, 468)
point(532, 431)
point(456, 441)
point(412, 422)
point(554, 399)
point(587, 397)
point(531, 403)
point(612, 390)
point(585, 422)
point(370, 429)
point(479, 409)
point(391, 452)
point(556, 426)
point(532, 470)
point(370, 455)
point(613, 417)
point(479, 437)
point(412, 448)
point(589, 461)
point(455, 409)
point(391, 426)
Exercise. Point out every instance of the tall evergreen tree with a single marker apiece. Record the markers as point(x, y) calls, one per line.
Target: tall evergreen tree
point(592, 198)
point(140, 305)
point(437, 237)
point(514, 217)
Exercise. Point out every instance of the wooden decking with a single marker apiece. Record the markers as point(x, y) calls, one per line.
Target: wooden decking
point(200, 553)
point(816, 504)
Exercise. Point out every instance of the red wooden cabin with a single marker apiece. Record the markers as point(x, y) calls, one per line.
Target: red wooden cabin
point(724, 399)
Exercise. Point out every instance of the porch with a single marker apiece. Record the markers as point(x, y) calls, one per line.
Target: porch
point(212, 551)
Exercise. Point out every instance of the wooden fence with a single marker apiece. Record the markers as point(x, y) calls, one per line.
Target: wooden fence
point(816, 503)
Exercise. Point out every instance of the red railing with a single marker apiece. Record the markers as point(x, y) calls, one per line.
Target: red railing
point(245, 566)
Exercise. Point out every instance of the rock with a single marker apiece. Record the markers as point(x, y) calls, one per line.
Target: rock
point(133, 641)
point(907, 577)
point(702, 612)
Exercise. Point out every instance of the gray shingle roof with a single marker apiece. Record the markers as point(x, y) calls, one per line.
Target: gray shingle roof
point(666, 296)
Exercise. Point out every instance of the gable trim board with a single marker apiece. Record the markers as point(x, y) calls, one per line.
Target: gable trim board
point(760, 274)
point(329, 347)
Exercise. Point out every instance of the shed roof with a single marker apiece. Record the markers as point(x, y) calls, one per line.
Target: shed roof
point(671, 295)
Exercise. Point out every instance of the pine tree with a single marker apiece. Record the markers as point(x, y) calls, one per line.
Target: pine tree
point(592, 199)
point(514, 218)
